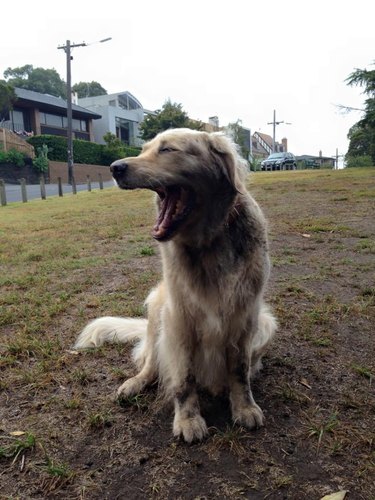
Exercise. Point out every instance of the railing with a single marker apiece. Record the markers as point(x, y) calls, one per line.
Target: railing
point(54, 189)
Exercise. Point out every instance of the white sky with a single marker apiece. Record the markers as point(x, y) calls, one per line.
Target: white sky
point(237, 59)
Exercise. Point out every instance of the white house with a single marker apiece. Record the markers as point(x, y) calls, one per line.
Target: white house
point(121, 114)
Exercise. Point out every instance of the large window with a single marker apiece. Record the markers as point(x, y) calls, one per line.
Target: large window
point(60, 121)
point(124, 130)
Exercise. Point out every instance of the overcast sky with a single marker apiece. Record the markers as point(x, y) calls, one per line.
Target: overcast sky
point(236, 59)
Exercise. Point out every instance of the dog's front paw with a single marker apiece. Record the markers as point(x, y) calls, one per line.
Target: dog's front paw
point(250, 416)
point(191, 428)
point(130, 387)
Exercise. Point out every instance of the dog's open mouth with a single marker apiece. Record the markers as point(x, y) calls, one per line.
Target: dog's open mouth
point(175, 204)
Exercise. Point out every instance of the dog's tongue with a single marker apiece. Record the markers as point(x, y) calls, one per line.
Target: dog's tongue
point(167, 210)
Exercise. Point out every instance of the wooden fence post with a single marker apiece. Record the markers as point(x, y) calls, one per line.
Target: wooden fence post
point(42, 188)
point(59, 182)
point(74, 187)
point(3, 196)
point(4, 140)
point(23, 190)
point(88, 183)
point(100, 181)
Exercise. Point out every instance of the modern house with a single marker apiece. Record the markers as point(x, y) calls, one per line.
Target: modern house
point(34, 114)
point(121, 115)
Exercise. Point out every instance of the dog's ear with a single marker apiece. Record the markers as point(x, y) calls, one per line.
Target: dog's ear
point(225, 155)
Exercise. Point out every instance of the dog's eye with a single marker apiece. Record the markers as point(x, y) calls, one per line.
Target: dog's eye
point(166, 150)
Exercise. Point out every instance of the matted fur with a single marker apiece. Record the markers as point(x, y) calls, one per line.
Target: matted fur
point(207, 322)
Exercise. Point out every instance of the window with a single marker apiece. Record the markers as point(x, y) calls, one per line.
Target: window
point(79, 125)
point(54, 120)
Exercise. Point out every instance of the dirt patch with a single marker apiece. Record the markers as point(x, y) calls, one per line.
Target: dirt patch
point(316, 387)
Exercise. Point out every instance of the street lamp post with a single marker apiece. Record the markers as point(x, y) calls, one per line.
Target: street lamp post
point(67, 49)
point(274, 123)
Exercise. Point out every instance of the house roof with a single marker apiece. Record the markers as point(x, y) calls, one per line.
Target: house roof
point(51, 103)
point(267, 138)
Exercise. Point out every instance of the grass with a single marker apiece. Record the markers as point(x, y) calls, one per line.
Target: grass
point(320, 429)
point(14, 447)
point(231, 438)
point(65, 261)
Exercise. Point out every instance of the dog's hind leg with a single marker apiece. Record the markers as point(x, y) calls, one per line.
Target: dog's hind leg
point(145, 377)
point(267, 326)
point(144, 353)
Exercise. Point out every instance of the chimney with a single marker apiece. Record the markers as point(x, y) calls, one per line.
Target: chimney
point(214, 121)
point(284, 142)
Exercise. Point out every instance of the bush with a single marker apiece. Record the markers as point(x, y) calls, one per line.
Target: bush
point(83, 151)
point(12, 156)
point(87, 152)
point(359, 161)
point(57, 146)
point(40, 163)
point(110, 155)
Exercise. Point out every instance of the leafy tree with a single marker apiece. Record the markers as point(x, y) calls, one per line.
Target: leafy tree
point(237, 133)
point(45, 81)
point(170, 116)
point(115, 149)
point(7, 99)
point(362, 135)
point(89, 89)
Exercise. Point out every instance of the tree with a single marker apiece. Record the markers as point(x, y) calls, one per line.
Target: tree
point(7, 99)
point(89, 89)
point(45, 81)
point(362, 135)
point(170, 116)
point(237, 133)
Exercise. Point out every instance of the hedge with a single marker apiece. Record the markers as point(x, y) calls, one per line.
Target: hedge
point(83, 151)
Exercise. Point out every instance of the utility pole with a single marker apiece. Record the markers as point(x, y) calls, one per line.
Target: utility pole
point(67, 49)
point(274, 123)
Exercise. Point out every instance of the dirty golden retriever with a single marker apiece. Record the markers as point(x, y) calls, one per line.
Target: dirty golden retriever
point(207, 325)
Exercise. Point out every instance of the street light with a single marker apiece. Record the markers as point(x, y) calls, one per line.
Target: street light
point(274, 123)
point(67, 49)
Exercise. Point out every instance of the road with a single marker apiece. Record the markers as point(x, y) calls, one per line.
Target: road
point(13, 191)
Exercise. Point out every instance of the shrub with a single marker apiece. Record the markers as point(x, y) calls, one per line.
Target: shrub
point(12, 156)
point(83, 151)
point(57, 146)
point(359, 161)
point(40, 163)
point(87, 152)
point(110, 155)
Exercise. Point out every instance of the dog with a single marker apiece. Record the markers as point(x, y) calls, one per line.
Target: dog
point(208, 325)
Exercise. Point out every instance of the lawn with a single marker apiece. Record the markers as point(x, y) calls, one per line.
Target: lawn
point(67, 260)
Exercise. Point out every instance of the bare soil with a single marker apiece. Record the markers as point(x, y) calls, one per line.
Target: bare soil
point(316, 387)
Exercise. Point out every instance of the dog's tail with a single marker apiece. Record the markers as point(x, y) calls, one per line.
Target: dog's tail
point(110, 329)
point(267, 326)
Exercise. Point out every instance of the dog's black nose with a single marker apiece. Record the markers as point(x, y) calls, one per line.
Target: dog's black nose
point(118, 167)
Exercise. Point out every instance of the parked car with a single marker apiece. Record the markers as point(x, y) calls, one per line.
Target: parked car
point(279, 161)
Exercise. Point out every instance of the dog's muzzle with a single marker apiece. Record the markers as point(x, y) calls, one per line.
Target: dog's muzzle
point(118, 169)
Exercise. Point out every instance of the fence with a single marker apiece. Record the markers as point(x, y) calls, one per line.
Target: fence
point(10, 140)
point(43, 189)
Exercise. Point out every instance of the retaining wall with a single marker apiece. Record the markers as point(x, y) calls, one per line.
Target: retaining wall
point(80, 172)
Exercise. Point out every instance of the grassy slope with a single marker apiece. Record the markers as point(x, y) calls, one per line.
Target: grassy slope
point(65, 260)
